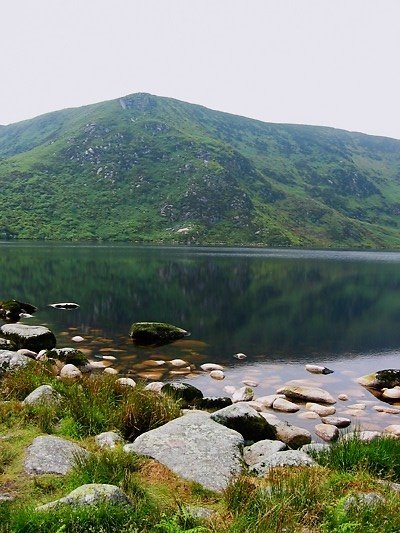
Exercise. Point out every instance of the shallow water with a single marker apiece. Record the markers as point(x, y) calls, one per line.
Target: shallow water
point(282, 308)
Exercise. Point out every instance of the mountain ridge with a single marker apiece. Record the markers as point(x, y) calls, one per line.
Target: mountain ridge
point(168, 171)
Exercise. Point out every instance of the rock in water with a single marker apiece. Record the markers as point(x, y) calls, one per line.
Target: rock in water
point(246, 421)
point(65, 305)
point(31, 337)
point(155, 333)
point(382, 379)
point(309, 394)
point(291, 435)
point(12, 309)
point(327, 432)
point(318, 369)
point(183, 391)
point(195, 448)
point(244, 394)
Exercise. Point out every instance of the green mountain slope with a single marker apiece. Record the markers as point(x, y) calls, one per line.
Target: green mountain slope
point(151, 169)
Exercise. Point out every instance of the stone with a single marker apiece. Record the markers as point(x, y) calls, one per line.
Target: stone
point(315, 447)
point(156, 386)
point(51, 455)
point(250, 383)
point(267, 401)
point(391, 394)
point(217, 374)
point(77, 338)
point(185, 392)
point(280, 404)
point(155, 333)
point(339, 422)
point(293, 436)
point(244, 394)
point(11, 360)
point(357, 406)
point(45, 394)
point(68, 356)
point(308, 394)
point(362, 500)
point(70, 372)
point(343, 397)
point(321, 410)
point(112, 358)
point(364, 436)
point(13, 309)
point(27, 353)
point(385, 409)
point(207, 367)
point(203, 513)
point(393, 430)
point(33, 338)
point(261, 450)
point(284, 458)
point(240, 356)
point(111, 371)
point(318, 369)
point(214, 402)
point(90, 494)
point(245, 420)
point(108, 439)
point(382, 379)
point(195, 448)
point(229, 389)
point(65, 305)
point(327, 432)
point(178, 363)
point(308, 415)
point(125, 382)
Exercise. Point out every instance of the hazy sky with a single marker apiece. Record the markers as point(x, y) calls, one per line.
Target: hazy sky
point(328, 62)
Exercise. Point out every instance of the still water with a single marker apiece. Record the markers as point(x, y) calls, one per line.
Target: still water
point(282, 308)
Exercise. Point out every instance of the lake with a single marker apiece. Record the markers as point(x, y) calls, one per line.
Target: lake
point(282, 308)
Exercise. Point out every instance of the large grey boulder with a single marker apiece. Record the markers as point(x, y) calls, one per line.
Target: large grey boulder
point(382, 379)
point(31, 337)
point(245, 420)
point(285, 458)
point(306, 394)
point(261, 450)
point(43, 395)
point(195, 448)
point(90, 494)
point(11, 360)
point(293, 436)
point(51, 455)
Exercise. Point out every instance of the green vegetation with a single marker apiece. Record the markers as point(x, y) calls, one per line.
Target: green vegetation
point(150, 169)
point(290, 500)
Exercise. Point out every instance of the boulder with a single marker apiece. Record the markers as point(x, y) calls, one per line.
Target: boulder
point(362, 499)
point(217, 374)
point(31, 337)
point(43, 395)
point(267, 401)
point(208, 367)
point(244, 394)
point(246, 421)
point(318, 369)
point(284, 458)
point(51, 455)
point(315, 447)
point(155, 386)
point(68, 356)
point(125, 382)
point(280, 404)
point(70, 372)
point(261, 450)
point(339, 422)
point(91, 494)
point(293, 436)
point(321, 410)
point(155, 333)
point(391, 394)
point(195, 448)
point(213, 402)
point(382, 379)
point(108, 439)
point(12, 309)
point(327, 432)
point(187, 393)
point(12, 360)
point(307, 394)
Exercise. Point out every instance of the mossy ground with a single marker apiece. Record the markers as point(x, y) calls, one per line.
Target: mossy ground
point(291, 500)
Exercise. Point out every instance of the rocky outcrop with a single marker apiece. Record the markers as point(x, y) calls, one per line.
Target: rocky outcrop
point(195, 448)
point(51, 455)
point(34, 338)
point(155, 333)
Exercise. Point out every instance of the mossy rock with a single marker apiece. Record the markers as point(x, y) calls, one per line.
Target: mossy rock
point(155, 333)
point(11, 309)
point(187, 393)
point(68, 356)
point(382, 379)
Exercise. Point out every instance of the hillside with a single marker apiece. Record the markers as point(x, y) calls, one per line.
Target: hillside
point(149, 169)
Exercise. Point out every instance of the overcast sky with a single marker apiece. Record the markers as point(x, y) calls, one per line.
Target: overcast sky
point(327, 62)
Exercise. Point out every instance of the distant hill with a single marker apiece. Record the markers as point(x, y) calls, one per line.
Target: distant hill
point(149, 169)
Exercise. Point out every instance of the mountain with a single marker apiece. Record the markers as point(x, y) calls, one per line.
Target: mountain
point(149, 169)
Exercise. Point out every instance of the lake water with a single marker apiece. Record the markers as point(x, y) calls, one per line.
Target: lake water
point(282, 308)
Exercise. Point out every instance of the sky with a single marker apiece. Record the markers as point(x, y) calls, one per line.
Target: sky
point(325, 62)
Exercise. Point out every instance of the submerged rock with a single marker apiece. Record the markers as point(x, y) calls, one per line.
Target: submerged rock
point(382, 379)
point(195, 448)
point(155, 333)
point(31, 337)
